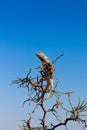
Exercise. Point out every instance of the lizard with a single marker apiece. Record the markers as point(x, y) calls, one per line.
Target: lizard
point(47, 70)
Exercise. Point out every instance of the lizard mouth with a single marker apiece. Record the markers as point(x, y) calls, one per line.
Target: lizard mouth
point(39, 55)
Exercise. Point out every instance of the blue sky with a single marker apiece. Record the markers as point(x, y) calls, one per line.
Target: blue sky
point(51, 26)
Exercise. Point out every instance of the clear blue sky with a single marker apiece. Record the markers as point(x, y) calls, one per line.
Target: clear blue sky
point(51, 26)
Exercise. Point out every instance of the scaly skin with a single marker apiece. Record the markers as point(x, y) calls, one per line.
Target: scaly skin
point(47, 71)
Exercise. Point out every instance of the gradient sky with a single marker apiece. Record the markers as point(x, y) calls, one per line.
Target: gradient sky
point(50, 26)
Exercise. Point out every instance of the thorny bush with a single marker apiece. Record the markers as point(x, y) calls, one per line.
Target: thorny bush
point(41, 89)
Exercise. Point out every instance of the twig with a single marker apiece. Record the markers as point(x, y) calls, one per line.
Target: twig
point(57, 58)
